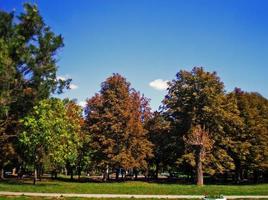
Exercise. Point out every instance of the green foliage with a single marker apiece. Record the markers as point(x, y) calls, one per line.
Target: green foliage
point(50, 133)
point(28, 50)
point(251, 153)
point(163, 140)
point(197, 98)
point(120, 130)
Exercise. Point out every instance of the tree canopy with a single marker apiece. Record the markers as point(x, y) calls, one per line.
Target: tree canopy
point(115, 120)
point(28, 70)
point(199, 129)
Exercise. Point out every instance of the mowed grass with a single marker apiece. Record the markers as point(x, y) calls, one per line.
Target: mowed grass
point(133, 187)
point(37, 198)
point(76, 198)
point(64, 198)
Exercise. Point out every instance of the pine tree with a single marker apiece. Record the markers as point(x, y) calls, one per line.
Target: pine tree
point(28, 50)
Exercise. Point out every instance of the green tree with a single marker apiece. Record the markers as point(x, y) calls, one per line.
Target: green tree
point(77, 139)
point(28, 50)
point(6, 80)
point(164, 143)
point(251, 151)
point(50, 134)
point(197, 98)
point(115, 120)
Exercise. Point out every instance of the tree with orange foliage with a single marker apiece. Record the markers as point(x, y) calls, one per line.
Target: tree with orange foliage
point(115, 120)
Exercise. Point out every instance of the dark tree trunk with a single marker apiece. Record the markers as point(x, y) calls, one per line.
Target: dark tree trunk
point(156, 170)
point(39, 172)
point(2, 174)
point(237, 173)
point(71, 173)
point(135, 171)
point(246, 174)
point(54, 174)
point(117, 174)
point(199, 167)
point(256, 176)
point(79, 172)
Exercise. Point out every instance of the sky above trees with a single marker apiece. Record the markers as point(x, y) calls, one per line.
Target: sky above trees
point(149, 41)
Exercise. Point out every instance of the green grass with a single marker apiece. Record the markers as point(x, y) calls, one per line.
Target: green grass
point(133, 187)
point(63, 198)
point(35, 198)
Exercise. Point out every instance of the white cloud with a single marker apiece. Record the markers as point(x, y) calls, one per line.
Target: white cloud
point(73, 86)
point(82, 104)
point(159, 84)
point(62, 78)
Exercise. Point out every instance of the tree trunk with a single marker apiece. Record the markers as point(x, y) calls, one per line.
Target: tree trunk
point(237, 173)
point(106, 173)
point(2, 175)
point(39, 173)
point(79, 172)
point(199, 168)
point(156, 170)
point(256, 176)
point(72, 173)
point(117, 174)
point(136, 173)
point(35, 176)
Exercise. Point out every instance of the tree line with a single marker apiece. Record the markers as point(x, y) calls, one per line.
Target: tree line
point(199, 130)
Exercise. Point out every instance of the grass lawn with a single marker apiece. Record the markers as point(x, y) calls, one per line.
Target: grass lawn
point(36, 198)
point(62, 198)
point(133, 187)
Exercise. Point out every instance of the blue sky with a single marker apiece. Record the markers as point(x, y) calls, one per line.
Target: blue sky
point(145, 40)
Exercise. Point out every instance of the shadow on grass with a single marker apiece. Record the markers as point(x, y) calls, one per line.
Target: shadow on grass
point(172, 181)
point(28, 182)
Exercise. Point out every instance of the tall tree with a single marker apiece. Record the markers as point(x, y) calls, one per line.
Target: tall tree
point(197, 98)
point(28, 50)
point(115, 119)
point(77, 138)
point(6, 80)
point(251, 151)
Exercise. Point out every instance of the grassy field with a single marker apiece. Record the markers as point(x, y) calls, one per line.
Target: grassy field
point(37, 198)
point(133, 187)
point(62, 198)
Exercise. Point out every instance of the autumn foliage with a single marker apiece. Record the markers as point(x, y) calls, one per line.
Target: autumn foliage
point(200, 130)
point(115, 119)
